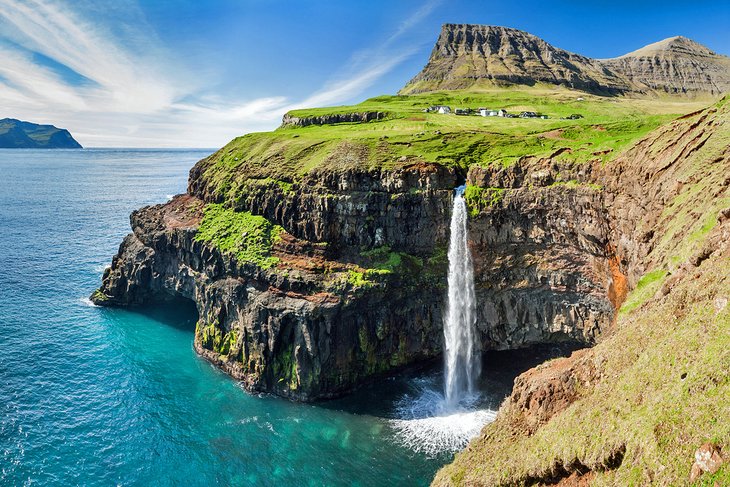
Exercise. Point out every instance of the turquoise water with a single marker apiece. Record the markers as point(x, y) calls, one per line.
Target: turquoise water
point(94, 396)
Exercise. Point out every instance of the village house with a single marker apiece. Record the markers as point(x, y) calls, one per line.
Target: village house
point(529, 115)
point(463, 111)
point(443, 109)
point(487, 112)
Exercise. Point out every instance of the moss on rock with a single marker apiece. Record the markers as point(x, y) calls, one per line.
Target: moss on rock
point(248, 237)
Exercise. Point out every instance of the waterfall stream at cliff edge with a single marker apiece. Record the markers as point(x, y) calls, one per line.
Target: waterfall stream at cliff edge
point(433, 421)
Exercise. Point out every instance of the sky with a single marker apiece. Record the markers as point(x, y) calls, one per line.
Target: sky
point(196, 73)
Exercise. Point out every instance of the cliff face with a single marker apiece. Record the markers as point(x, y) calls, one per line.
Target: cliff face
point(308, 288)
point(291, 121)
point(315, 325)
point(466, 53)
point(468, 56)
point(323, 319)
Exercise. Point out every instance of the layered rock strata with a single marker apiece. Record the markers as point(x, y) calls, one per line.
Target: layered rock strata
point(467, 55)
point(311, 327)
point(667, 201)
point(353, 286)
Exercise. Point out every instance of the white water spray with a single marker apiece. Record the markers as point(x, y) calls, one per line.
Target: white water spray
point(462, 361)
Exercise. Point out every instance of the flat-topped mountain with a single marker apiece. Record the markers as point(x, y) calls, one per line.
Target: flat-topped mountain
point(16, 134)
point(470, 56)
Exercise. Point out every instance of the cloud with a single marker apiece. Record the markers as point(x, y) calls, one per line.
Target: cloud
point(125, 88)
point(417, 17)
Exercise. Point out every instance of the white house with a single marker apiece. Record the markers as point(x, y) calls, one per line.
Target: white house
point(486, 112)
point(443, 109)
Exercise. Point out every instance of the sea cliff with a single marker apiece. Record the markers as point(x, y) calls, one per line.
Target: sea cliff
point(316, 255)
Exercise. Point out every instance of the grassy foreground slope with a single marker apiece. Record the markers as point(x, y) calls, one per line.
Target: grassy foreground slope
point(408, 135)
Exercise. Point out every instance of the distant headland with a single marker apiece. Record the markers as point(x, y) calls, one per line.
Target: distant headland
point(16, 134)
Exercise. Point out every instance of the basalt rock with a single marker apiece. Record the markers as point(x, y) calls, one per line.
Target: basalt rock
point(303, 329)
point(662, 207)
point(468, 55)
point(292, 121)
point(299, 330)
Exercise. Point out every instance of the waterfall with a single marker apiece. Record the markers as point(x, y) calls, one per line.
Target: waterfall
point(462, 360)
point(429, 421)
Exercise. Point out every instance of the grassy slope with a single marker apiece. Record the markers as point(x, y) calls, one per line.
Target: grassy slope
point(643, 403)
point(409, 135)
point(249, 237)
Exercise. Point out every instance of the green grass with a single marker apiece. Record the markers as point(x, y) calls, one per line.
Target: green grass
point(248, 237)
point(647, 287)
point(381, 258)
point(407, 272)
point(660, 386)
point(409, 135)
point(692, 214)
point(478, 199)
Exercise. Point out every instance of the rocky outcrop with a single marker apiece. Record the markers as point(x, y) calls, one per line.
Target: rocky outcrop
point(548, 389)
point(356, 281)
point(290, 120)
point(353, 209)
point(467, 55)
point(300, 330)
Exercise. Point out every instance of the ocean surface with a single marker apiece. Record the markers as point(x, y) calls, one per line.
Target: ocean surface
point(94, 396)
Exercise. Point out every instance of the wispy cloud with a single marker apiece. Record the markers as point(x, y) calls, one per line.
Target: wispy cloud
point(131, 94)
point(369, 65)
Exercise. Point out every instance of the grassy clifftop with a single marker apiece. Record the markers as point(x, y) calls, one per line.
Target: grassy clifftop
point(408, 134)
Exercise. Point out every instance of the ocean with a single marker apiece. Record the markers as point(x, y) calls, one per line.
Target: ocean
point(94, 396)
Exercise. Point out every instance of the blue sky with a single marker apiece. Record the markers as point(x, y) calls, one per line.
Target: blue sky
point(192, 73)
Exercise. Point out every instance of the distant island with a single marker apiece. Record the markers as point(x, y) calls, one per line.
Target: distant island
point(16, 134)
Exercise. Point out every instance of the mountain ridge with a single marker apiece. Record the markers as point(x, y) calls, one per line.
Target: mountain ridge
point(18, 134)
point(468, 55)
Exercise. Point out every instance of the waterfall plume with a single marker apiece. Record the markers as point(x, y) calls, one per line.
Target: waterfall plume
point(461, 354)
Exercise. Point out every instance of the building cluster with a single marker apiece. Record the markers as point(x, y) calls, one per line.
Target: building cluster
point(484, 112)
